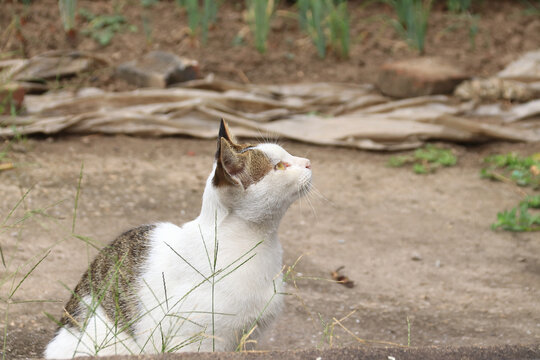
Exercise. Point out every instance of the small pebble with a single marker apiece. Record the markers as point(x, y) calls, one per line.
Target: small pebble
point(416, 257)
point(341, 241)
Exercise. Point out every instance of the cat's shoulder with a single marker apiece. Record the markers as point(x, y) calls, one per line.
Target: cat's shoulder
point(144, 234)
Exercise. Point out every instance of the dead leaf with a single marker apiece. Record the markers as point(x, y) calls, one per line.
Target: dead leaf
point(6, 166)
point(342, 279)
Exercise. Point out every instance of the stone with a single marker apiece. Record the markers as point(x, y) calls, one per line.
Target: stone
point(419, 77)
point(158, 69)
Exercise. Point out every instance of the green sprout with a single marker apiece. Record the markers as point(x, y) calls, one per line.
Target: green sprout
point(520, 219)
point(425, 160)
point(524, 171)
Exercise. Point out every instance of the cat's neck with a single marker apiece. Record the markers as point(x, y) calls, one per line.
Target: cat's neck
point(212, 210)
point(213, 213)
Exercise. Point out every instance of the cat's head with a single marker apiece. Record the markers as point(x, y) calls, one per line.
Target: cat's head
point(258, 180)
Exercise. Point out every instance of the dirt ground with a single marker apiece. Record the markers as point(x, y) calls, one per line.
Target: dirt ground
point(417, 247)
point(291, 57)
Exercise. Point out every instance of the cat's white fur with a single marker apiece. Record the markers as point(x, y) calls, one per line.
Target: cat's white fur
point(242, 295)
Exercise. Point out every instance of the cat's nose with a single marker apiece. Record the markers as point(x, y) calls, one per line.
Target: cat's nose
point(308, 164)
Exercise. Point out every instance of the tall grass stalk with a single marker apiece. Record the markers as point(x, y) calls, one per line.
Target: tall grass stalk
point(458, 5)
point(339, 28)
point(67, 13)
point(327, 23)
point(11, 275)
point(260, 13)
point(412, 20)
point(210, 10)
point(200, 17)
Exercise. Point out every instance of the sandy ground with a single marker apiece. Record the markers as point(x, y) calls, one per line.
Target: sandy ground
point(417, 247)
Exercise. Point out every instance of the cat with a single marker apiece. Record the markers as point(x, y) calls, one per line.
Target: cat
point(205, 286)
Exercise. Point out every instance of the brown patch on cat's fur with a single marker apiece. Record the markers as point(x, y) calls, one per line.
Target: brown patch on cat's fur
point(234, 161)
point(110, 280)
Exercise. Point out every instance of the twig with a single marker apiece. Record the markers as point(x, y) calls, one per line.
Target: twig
point(338, 322)
point(506, 180)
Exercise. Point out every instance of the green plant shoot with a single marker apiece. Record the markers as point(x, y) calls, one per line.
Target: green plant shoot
point(425, 160)
point(327, 24)
point(67, 13)
point(524, 171)
point(260, 13)
point(412, 20)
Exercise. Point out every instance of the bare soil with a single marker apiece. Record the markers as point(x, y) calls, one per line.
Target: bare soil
point(504, 32)
point(416, 247)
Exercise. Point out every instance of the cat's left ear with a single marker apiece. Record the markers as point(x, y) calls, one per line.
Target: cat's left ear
point(224, 133)
point(230, 165)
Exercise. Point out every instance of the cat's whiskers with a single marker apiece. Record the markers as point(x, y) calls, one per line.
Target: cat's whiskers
point(269, 138)
point(315, 191)
point(305, 193)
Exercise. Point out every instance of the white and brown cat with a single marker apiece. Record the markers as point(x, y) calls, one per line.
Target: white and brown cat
point(197, 287)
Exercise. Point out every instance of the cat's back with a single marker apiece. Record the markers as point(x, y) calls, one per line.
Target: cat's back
point(112, 272)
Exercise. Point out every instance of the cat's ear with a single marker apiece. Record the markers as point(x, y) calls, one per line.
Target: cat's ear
point(230, 164)
point(224, 133)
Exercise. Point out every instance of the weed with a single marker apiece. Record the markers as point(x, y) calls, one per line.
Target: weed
point(425, 160)
point(67, 13)
point(524, 171)
point(147, 27)
point(533, 7)
point(102, 28)
point(327, 23)
point(339, 27)
point(532, 202)
point(519, 219)
point(458, 5)
point(327, 330)
point(473, 29)
point(13, 276)
point(412, 20)
point(149, 3)
point(260, 13)
point(200, 18)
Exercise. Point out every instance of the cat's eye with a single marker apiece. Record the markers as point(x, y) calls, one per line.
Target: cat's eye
point(281, 165)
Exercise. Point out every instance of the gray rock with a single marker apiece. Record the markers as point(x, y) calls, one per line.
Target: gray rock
point(158, 69)
point(418, 77)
